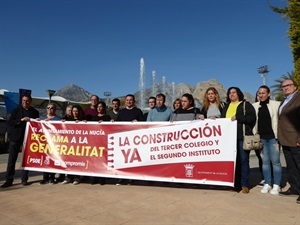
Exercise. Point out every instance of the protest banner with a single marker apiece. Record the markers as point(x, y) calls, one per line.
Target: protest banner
point(201, 152)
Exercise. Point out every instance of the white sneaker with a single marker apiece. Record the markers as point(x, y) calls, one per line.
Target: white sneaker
point(265, 189)
point(120, 181)
point(66, 181)
point(262, 183)
point(275, 190)
point(75, 182)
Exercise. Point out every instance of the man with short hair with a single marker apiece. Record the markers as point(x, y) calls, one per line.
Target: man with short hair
point(151, 104)
point(289, 135)
point(130, 112)
point(160, 112)
point(18, 119)
point(115, 108)
point(91, 111)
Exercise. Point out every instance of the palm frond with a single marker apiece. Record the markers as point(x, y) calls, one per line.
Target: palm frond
point(276, 88)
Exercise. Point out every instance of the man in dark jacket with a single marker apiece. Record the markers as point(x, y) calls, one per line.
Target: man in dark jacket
point(17, 121)
point(289, 135)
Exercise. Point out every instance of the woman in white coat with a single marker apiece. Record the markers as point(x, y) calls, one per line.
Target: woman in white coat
point(266, 126)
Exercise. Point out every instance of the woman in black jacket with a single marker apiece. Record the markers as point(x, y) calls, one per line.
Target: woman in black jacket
point(234, 110)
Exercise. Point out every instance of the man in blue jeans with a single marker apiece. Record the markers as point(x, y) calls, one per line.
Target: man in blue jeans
point(17, 121)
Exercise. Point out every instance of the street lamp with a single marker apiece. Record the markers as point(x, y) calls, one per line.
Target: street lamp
point(263, 71)
point(107, 94)
point(50, 94)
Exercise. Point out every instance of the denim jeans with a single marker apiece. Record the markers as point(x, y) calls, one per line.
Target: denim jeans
point(271, 156)
point(243, 164)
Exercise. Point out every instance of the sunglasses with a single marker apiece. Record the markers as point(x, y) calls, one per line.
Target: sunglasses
point(50, 108)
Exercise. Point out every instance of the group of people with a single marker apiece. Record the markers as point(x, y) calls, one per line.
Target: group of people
point(278, 125)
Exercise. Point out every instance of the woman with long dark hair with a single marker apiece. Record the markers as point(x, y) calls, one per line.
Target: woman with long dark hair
point(188, 111)
point(77, 116)
point(237, 108)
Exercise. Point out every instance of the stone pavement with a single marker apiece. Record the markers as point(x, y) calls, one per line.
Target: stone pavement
point(141, 204)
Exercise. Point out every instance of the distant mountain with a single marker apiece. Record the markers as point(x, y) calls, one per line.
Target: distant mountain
point(197, 91)
point(74, 93)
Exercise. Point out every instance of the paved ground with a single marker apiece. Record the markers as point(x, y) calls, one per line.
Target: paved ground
point(140, 204)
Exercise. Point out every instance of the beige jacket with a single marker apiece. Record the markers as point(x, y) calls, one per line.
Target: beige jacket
point(273, 109)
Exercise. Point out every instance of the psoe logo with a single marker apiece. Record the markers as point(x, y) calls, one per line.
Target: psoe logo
point(35, 161)
point(189, 170)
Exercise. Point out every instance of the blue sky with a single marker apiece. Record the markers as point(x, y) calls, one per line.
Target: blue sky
point(98, 44)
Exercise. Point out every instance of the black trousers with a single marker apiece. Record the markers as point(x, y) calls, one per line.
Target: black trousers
point(48, 176)
point(292, 158)
point(13, 152)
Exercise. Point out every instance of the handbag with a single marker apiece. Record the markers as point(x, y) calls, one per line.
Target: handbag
point(251, 142)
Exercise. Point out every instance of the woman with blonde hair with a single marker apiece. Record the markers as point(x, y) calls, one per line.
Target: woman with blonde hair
point(212, 106)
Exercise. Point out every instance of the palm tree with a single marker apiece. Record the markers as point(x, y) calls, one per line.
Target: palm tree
point(291, 12)
point(277, 91)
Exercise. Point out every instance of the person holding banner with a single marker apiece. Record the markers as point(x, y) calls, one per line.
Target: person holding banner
point(67, 116)
point(160, 112)
point(102, 116)
point(77, 116)
point(17, 121)
point(51, 116)
point(115, 108)
point(234, 110)
point(187, 111)
point(212, 106)
point(151, 104)
point(68, 113)
point(91, 111)
point(130, 114)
